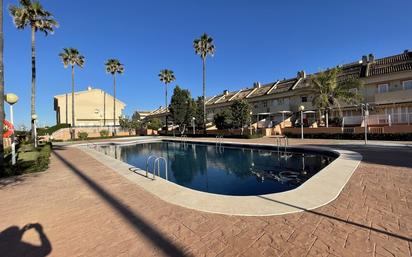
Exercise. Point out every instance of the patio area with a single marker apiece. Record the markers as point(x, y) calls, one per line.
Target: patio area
point(82, 208)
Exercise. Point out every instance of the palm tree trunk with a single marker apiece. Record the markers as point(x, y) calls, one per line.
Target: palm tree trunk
point(204, 95)
point(114, 104)
point(167, 128)
point(33, 78)
point(1, 87)
point(73, 123)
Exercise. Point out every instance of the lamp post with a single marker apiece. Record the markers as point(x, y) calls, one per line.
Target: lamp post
point(301, 109)
point(365, 114)
point(194, 125)
point(34, 118)
point(250, 122)
point(12, 99)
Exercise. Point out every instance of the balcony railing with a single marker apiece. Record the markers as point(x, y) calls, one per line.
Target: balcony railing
point(379, 119)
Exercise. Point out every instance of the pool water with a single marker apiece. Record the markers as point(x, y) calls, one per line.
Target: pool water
point(228, 170)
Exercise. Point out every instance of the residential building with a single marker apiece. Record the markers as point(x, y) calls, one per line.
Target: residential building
point(387, 88)
point(93, 107)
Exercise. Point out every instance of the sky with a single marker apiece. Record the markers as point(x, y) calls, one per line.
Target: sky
point(255, 40)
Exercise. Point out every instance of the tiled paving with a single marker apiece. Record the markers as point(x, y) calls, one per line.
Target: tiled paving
point(86, 209)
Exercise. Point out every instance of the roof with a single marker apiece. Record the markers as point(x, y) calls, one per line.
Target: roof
point(88, 91)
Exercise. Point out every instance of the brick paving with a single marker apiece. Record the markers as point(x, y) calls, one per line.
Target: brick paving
point(81, 208)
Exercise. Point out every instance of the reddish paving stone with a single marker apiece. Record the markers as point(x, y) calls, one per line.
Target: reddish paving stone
point(89, 210)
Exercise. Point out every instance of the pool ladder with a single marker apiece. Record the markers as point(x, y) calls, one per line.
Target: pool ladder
point(279, 142)
point(219, 140)
point(156, 160)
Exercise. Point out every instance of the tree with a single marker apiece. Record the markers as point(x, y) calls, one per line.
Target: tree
point(332, 90)
point(154, 124)
point(166, 76)
point(204, 46)
point(33, 15)
point(223, 119)
point(113, 66)
point(199, 112)
point(72, 57)
point(1, 89)
point(240, 113)
point(182, 107)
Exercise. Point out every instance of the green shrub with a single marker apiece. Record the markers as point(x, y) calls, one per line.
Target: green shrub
point(104, 133)
point(82, 135)
point(357, 136)
point(50, 130)
point(28, 161)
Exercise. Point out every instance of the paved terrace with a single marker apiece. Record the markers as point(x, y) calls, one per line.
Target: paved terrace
point(81, 208)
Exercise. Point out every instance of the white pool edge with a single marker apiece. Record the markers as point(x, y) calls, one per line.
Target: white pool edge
point(319, 190)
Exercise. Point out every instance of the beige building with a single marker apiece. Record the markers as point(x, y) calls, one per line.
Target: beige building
point(92, 107)
point(387, 89)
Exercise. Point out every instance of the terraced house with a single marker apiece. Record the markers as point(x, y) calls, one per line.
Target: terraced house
point(387, 88)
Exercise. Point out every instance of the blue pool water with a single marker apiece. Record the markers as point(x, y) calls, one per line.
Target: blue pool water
point(228, 170)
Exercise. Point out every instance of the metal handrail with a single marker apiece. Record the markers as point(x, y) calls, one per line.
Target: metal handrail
point(158, 159)
point(219, 140)
point(279, 142)
point(147, 164)
point(183, 138)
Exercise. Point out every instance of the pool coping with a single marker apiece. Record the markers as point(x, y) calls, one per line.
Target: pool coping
point(319, 190)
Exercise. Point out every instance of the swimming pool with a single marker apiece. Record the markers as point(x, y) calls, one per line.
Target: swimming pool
point(227, 169)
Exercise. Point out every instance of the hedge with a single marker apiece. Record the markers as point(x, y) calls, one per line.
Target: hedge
point(50, 130)
point(357, 136)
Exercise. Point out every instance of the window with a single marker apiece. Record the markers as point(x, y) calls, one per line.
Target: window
point(265, 103)
point(274, 102)
point(383, 88)
point(304, 99)
point(281, 101)
point(407, 84)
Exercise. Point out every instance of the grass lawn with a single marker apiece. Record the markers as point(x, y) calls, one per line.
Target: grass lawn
point(29, 159)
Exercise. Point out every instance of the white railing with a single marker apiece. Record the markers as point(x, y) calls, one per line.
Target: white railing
point(379, 119)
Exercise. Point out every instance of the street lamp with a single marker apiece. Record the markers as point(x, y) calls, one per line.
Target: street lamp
point(301, 109)
point(12, 99)
point(365, 114)
point(34, 118)
point(194, 125)
point(250, 122)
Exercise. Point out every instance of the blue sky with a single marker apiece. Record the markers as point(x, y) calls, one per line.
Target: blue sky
point(259, 40)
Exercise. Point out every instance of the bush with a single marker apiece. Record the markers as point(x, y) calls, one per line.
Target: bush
point(29, 160)
point(50, 130)
point(104, 133)
point(357, 136)
point(154, 124)
point(82, 135)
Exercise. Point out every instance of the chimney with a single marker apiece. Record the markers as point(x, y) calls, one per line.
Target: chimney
point(256, 85)
point(364, 59)
point(89, 88)
point(371, 58)
point(406, 51)
point(225, 92)
point(301, 74)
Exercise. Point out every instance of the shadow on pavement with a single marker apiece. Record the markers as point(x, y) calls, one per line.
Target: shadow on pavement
point(138, 223)
point(340, 220)
point(11, 244)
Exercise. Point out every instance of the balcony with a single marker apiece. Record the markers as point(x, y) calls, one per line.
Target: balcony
point(399, 96)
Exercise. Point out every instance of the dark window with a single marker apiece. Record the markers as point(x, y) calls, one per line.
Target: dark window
point(304, 99)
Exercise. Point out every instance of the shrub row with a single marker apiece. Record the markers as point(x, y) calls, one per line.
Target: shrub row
point(357, 136)
point(50, 130)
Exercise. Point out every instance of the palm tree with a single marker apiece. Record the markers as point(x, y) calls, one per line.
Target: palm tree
point(33, 15)
point(114, 66)
point(204, 46)
point(1, 87)
point(166, 76)
point(72, 57)
point(332, 90)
